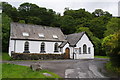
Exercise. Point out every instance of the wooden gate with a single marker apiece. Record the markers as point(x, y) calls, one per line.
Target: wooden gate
point(67, 53)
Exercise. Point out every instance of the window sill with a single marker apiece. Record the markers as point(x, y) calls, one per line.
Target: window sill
point(56, 51)
point(42, 51)
point(26, 52)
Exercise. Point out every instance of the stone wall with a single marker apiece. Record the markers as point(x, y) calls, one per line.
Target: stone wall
point(34, 56)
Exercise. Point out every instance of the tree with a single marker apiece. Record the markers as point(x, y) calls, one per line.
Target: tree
point(34, 20)
point(34, 14)
point(100, 12)
point(81, 13)
point(97, 26)
point(56, 20)
point(26, 10)
point(112, 26)
point(111, 44)
point(47, 16)
point(6, 8)
point(10, 11)
point(5, 31)
point(86, 29)
point(67, 24)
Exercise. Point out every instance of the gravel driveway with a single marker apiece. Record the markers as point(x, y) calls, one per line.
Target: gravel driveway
point(72, 68)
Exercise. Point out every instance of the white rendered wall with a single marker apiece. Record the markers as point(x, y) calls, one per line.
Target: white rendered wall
point(85, 40)
point(11, 46)
point(66, 46)
point(34, 46)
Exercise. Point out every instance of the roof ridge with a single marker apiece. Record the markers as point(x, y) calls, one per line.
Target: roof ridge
point(35, 25)
point(76, 33)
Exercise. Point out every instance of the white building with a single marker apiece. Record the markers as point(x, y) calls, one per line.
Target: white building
point(26, 38)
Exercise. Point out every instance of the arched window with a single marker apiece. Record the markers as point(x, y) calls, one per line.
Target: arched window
point(84, 49)
point(79, 50)
point(56, 47)
point(26, 47)
point(42, 47)
point(89, 50)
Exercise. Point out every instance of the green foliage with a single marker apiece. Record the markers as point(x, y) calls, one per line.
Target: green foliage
point(81, 13)
point(113, 69)
point(5, 31)
point(100, 12)
point(10, 11)
point(6, 57)
point(112, 26)
point(97, 27)
point(17, 71)
point(33, 20)
point(67, 24)
point(21, 21)
point(111, 44)
point(34, 14)
point(86, 29)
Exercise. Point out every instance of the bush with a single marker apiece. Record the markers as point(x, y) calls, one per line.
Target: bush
point(35, 56)
point(111, 44)
point(113, 69)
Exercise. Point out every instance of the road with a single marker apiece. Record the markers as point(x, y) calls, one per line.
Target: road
point(85, 68)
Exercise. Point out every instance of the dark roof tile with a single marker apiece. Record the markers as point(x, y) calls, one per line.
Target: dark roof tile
point(18, 28)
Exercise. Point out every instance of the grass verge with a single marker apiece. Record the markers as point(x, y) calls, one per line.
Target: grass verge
point(112, 69)
point(5, 56)
point(17, 71)
point(102, 57)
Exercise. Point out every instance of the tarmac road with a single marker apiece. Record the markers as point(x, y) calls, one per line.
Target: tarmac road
point(84, 68)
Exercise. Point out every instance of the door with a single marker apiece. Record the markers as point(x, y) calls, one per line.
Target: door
point(67, 53)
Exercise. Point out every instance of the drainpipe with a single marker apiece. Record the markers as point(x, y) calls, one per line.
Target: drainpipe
point(14, 46)
point(73, 53)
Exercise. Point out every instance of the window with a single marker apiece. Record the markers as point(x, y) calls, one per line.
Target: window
point(79, 50)
point(84, 49)
point(56, 47)
point(41, 35)
point(42, 47)
point(89, 50)
point(26, 47)
point(55, 36)
point(25, 34)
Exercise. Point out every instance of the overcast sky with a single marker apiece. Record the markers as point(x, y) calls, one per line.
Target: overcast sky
point(59, 5)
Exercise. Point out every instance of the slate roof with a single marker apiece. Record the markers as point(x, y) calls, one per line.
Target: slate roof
point(63, 44)
point(17, 30)
point(74, 38)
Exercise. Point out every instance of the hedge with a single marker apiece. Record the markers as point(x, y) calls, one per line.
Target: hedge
point(36, 56)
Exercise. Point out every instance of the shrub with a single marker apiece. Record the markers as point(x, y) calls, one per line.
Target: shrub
point(111, 44)
point(35, 56)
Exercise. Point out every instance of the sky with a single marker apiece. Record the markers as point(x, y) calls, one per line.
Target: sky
point(59, 5)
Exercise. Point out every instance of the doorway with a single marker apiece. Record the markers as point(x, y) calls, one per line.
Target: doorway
point(67, 53)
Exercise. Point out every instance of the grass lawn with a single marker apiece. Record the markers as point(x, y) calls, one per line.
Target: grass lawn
point(102, 57)
point(5, 56)
point(17, 71)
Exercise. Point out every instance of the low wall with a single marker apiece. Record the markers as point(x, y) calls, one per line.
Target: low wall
point(36, 56)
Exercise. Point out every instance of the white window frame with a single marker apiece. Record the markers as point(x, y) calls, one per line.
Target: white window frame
point(55, 36)
point(41, 35)
point(25, 34)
